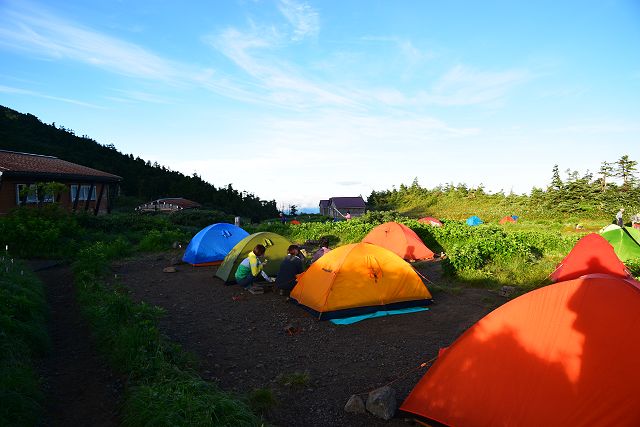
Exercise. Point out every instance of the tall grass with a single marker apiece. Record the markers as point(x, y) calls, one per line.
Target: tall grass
point(164, 388)
point(23, 336)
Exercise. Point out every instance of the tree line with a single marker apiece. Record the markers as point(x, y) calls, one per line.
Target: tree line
point(142, 180)
point(572, 193)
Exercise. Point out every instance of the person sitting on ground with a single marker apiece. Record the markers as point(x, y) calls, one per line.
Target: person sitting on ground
point(323, 250)
point(290, 267)
point(619, 218)
point(251, 266)
point(347, 216)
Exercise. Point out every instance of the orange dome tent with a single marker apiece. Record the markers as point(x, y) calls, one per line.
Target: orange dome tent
point(507, 219)
point(562, 355)
point(399, 239)
point(357, 279)
point(591, 255)
point(294, 222)
point(431, 221)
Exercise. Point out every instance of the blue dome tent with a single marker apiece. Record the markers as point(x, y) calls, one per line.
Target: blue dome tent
point(474, 220)
point(212, 244)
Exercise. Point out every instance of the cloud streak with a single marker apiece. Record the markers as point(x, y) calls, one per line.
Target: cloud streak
point(303, 18)
point(34, 30)
point(18, 91)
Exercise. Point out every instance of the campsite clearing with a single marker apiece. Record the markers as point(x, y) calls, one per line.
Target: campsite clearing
point(257, 342)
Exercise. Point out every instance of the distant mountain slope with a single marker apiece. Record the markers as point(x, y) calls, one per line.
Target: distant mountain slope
point(26, 133)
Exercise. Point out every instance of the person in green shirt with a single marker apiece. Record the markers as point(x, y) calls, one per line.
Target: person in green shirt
point(251, 266)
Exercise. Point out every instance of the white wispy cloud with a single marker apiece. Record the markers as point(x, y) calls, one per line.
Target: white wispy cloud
point(29, 28)
point(463, 85)
point(27, 92)
point(304, 19)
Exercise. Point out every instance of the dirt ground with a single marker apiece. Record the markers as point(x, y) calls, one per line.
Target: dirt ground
point(241, 340)
point(80, 388)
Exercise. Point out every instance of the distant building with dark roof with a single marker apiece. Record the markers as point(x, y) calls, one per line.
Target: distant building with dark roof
point(169, 204)
point(338, 207)
point(86, 188)
point(324, 207)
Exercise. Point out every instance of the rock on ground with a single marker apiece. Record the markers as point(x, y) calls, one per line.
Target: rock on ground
point(355, 405)
point(382, 402)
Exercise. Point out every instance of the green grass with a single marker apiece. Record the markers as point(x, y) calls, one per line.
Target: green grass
point(262, 400)
point(294, 379)
point(23, 336)
point(164, 388)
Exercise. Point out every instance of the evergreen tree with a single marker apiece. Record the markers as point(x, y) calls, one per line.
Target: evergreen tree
point(606, 172)
point(625, 170)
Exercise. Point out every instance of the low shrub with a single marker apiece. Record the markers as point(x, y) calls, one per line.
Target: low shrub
point(163, 389)
point(23, 336)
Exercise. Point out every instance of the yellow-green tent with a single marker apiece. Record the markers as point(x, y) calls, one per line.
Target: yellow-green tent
point(276, 252)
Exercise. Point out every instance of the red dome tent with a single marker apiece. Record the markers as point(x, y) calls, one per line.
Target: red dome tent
point(562, 355)
point(399, 239)
point(507, 219)
point(591, 255)
point(295, 222)
point(431, 221)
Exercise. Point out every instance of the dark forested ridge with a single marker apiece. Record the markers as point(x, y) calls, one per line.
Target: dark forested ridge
point(141, 179)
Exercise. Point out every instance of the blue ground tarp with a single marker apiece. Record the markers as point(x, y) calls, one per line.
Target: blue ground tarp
point(381, 313)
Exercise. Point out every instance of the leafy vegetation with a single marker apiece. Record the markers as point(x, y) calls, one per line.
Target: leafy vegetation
point(164, 389)
point(142, 181)
point(577, 198)
point(23, 336)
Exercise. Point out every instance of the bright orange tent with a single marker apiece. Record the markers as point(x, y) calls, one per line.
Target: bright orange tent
point(562, 355)
point(431, 221)
point(591, 255)
point(507, 219)
point(399, 239)
point(356, 279)
point(294, 222)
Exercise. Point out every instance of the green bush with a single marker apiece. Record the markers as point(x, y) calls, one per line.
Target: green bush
point(164, 388)
point(157, 240)
point(23, 336)
point(46, 232)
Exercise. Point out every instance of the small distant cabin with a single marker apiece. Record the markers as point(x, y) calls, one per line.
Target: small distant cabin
point(324, 207)
point(84, 188)
point(170, 204)
point(338, 207)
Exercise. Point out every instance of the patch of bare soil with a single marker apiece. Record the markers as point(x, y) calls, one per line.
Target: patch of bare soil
point(80, 388)
point(243, 345)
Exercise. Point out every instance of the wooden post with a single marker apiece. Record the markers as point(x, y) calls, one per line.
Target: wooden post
point(110, 191)
point(86, 203)
point(76, 197)
point(97, 209)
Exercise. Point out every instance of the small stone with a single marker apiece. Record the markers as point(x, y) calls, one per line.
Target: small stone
point(355, 405)
point(506, 291)
point(169, 270)
point(382, 402)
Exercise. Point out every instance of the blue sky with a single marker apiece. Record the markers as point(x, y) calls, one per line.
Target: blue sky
point(297, 101)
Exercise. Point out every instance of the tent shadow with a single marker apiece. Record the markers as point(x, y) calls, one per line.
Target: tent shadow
point(568, 356)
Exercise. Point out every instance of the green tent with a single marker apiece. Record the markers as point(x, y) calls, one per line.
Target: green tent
point(276, 252)
point(625, 241)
